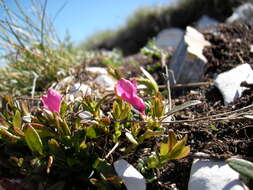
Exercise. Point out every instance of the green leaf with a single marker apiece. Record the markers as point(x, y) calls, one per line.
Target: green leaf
point(54, 147)
point(244, 167)
point(185, 152)
point(172, 140)
point(149, 84)
point(64, 108)
point(164, 149)
point(177, 149)
point(103, 167)
point(153, 161)
point(213, 127)
point(91, 132)
point(17, 120)
point(152, 80)
point(148, 134)
point(33, 140)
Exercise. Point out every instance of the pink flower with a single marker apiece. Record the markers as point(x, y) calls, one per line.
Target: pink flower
point(127, 90)
point(52, 101)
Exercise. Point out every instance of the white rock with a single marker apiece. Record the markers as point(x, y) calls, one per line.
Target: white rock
point(131, 177)
point(105, 81)
point(243, 14)
point(64, 82)
point(78, 87)
point(211, 175)
point(188, 61)
point(229, 82)
point(96, 70)
point(169, 38)
point(27, 118)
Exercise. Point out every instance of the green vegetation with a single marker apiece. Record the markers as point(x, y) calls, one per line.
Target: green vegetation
point(35, 57)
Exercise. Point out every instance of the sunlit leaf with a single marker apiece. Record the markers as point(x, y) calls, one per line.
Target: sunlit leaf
point(33, 140)
point(91, 132)
point(178, 148)
point(103, 166)
point(17, 120)
point(172, 140)
point(164, 149)
point(185, 152)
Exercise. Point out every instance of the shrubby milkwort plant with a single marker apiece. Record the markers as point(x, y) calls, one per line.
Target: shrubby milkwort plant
point(74, 145)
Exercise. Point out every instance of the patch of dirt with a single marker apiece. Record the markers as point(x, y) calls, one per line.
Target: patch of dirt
point(221, 131)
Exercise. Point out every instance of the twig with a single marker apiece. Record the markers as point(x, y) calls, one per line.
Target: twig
point(112, 150)
point(168, 87)
point(209, 118)
point(34, 83)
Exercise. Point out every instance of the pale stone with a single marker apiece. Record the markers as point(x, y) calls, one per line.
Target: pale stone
point(243, 14)
point(96, 70)
point(188, 61)
point(105, 81)
point(213, 175)
point(169, 38)
point(229, 83)
point(78, 87)
point(132, 178)
point(64, 82)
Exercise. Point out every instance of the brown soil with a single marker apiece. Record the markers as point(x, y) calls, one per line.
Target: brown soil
point(211, 127)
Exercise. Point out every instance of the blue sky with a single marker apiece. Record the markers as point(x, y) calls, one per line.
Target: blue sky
point(84, 17)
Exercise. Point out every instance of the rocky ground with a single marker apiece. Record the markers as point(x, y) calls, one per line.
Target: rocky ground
point(213, 128)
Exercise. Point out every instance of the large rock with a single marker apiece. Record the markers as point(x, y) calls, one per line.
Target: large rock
point(243, 14)
point(131, 177)
point(188, 61)
point(229, 83)
point(169, 38)
point(213, 175)
point(105, 81)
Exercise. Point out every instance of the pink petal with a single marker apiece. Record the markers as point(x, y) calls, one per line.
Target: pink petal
point(138, 104)
point(134, 82)
point(127, 91)
point(125, 88)
point(52, 101)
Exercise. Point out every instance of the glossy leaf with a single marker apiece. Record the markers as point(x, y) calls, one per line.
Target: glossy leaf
point(153, 161)
point(244, 167)
point(178, 148)
point(17, 120)
point(164, 149)
point(103, 167)
point(33, 140)
point(91, 132)
point(172, 140)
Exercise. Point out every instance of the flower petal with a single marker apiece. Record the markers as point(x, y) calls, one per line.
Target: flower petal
point(138, 104)
point(127, 90)
point(125, 87)
point(52, 101)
